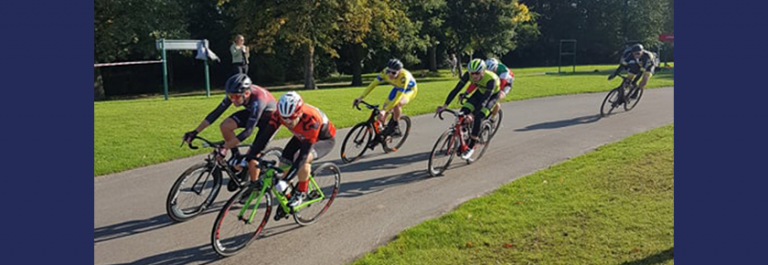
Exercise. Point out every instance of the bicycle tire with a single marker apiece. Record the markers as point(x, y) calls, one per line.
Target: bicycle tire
point(181, 214)
point(484, 140)
point(609, 102)
point(323, 175)
point(360, 131)
point(400, 140)
point(446, 144)
point(630, 102)
point(227, 246)
point(496, 123)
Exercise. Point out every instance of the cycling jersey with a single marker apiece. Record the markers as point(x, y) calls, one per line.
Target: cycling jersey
point(646, 63)
point(488, 85)
point(404, 85)
point(506, 77)
point(257, 104)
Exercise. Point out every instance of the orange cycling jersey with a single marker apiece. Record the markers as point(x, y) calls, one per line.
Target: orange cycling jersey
point(312, 126)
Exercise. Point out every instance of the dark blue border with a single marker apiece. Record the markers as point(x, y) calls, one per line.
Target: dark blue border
point(720, 119)
point(47, 51)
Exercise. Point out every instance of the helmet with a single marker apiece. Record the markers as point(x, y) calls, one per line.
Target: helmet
point(238, 83)
point(637, 47)
point(491, 64)
point(289, 104)
point(476, 65)
point(395, 64)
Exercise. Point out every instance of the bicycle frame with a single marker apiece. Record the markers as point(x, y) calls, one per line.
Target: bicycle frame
point(268, 180)
point(457, 132)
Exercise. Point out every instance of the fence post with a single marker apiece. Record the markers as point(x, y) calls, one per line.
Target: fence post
point(165, 70)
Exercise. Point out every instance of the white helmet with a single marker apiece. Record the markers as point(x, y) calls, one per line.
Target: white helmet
point(491, 64)
point(289, 104)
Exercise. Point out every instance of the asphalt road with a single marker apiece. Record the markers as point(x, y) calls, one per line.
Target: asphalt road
point(380, 195)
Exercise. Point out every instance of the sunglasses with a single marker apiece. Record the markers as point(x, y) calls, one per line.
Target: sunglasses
point(637, 54)
point(291, 118)
point(391, 72)
point(235, 97)
point(478, 73)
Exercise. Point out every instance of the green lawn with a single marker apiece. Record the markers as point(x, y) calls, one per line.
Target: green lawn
point(614, 205)
point(141, 132)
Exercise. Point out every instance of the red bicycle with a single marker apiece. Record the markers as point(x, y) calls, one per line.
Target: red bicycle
point(455, 140)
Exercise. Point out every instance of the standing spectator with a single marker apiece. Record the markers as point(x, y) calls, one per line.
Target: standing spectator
point(239, 55)
point(454, 63)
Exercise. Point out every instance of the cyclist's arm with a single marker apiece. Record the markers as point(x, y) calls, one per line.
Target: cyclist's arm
point(253, 119)
point(373, 84)
point(260, 142)
point(216, 113)
point(459, 86)
point(488, 90)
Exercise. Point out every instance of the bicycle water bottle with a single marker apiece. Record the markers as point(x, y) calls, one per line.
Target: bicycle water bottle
point(282, 186)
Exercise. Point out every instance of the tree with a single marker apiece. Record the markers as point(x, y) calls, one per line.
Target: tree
point(303, 25)
point(126, 30)
point(430, 15)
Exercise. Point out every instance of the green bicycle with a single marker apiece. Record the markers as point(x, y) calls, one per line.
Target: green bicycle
point(237, 224)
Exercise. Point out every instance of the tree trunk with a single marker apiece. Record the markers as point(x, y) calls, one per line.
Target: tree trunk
point(309, 68)
point(98, 85)
point(458, 63)
point(357, 65)
point(432, 52)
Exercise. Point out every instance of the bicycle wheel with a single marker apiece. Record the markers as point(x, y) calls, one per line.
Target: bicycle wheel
point(496, 122)
point(610, 102)
point(192, 192)
point(442, 154)
point(356, 142)
point(231, 231)
point(631, 102)
point(483, 141)
point(328, 180)
point(393, 143)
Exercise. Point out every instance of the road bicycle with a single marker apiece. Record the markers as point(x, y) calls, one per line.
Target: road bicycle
point(627, 94)
point(455, 140)
point(370, 133)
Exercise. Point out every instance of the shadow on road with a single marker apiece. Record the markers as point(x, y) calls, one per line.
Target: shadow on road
point(384, 163)
point(655, 258)
point(134, 227)
point(202, 253)
point(360, 188)
point(561, 123)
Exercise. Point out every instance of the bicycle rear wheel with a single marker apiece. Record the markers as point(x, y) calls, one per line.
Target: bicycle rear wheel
point(610, 102)
point(356, 142)
point(631, 102)
point(483, 141)
point(442, 154)
point(231, 231)
point(496, 121)
point(393, 143)
point(192, 192)
point(327, 178)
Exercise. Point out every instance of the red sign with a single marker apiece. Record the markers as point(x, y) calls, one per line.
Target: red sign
point(667, 37)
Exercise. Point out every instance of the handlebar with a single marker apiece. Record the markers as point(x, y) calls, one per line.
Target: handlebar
point(440, 114)
point(206, 143)
point(367, 105)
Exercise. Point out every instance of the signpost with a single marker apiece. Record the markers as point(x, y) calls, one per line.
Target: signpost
point(199, 45)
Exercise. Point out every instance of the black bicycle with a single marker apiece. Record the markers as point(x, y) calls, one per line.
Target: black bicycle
point(197, 187)
point(370, 133)
point(627, 94)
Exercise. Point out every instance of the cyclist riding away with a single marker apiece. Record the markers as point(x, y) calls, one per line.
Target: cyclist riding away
point(403, 91)
point(480, 103)
point(313, 138)
point(259, 106)
point(637, 61)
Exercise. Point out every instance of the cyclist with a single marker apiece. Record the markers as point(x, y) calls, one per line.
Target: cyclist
point(479, 103)
point(639, 63)
point(259, 106)
point(403, 91)
point(507, 78)
point(313, 138)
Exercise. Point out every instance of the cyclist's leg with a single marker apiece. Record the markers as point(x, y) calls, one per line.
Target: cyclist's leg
point(646, 76)
point(262, 137)
point(234, 121)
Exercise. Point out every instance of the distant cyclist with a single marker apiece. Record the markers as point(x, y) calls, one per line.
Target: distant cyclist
point(403, 91)
point(481, 102)
point(639, 63)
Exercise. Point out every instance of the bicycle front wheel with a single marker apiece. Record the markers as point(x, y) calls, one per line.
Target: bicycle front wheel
point(393, 143)
point(324, 185)
point(192, 192)
point(232, 230)
point(356, 142)
point(610, 102)
point(632, 101)
point(442, 154)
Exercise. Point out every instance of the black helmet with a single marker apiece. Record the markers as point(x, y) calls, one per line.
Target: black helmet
point(238, 83)
point(637, 47)
point(395, 64)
